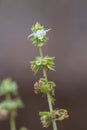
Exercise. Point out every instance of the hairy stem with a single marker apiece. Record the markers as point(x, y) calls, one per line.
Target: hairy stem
point(48, 94)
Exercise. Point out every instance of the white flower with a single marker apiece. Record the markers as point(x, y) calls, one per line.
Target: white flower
point(40, 34)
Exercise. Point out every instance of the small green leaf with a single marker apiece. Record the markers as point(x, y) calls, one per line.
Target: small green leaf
point(44, 113)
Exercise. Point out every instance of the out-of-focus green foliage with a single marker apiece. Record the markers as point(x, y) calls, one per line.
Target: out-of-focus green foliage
point(11, 104)
point(8, 87)
point(23, 128)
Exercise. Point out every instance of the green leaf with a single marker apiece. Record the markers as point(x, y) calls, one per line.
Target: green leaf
point(44, 113)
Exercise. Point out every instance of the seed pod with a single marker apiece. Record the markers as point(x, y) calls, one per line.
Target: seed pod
point(32, 68)
point(66, 114)
point(36, 88)
point(40, 83)
point(53, 93)
point(63, 114)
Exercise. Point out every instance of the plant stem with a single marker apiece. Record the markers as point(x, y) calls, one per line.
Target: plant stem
point(12, 121)
point(48, 94)
point(12, 115)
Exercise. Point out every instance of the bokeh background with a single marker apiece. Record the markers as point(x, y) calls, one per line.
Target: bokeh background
point(67, 42)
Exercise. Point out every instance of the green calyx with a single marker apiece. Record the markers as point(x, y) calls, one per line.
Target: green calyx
point(45, 118)
point(46, 86)
point(38, 42)
point(57, 115)
point(37, 27)
point(45, 62)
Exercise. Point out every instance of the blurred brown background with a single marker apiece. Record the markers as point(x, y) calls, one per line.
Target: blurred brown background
point(67, 42)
